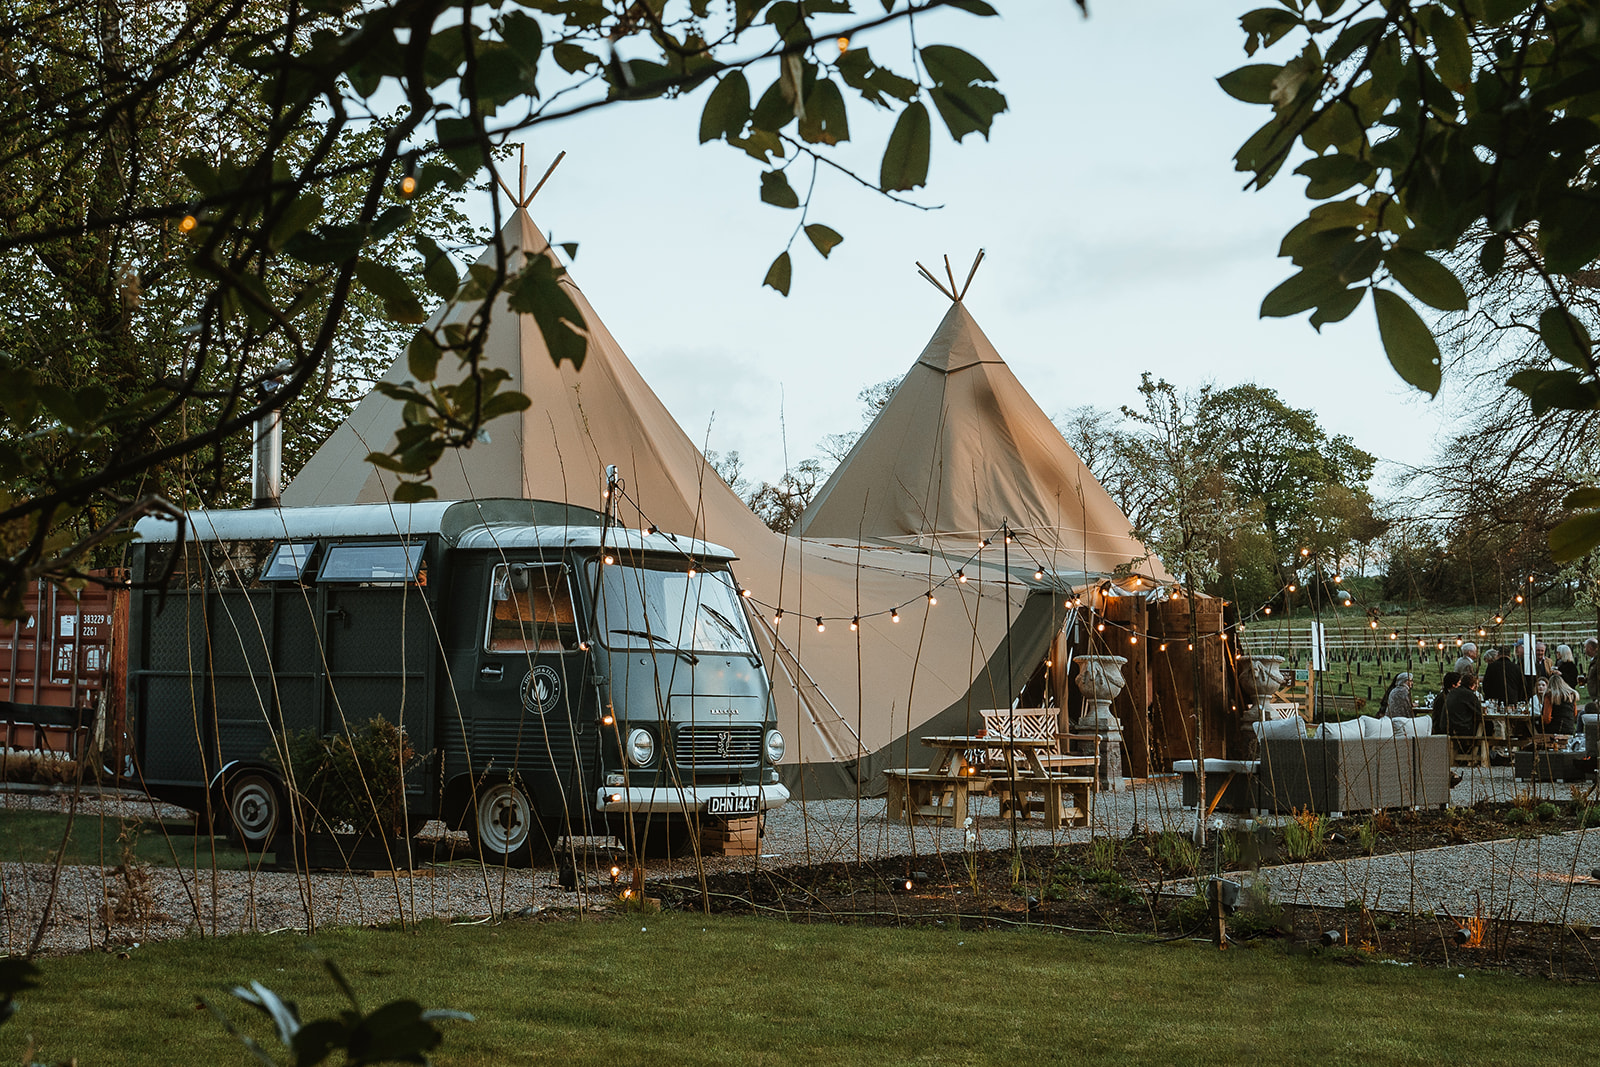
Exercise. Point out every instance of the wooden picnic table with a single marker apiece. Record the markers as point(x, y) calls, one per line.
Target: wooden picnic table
point(1033, 768)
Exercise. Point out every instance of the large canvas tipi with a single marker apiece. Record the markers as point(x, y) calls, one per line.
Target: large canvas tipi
point(851, 702)
point(961, 447)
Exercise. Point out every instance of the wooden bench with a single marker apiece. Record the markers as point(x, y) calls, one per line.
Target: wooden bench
point(1063, 800)
point(918, 793)
point(1476, 752)
point(1039, 723)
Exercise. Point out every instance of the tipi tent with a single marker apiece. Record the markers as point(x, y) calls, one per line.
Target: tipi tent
point(851, 702)
point(960, 448)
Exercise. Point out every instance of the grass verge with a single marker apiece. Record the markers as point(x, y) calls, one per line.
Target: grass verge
point(686, 990)
point(96, 841)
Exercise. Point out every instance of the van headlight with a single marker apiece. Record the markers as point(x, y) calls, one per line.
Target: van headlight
point(774, 746)
point(641, 747)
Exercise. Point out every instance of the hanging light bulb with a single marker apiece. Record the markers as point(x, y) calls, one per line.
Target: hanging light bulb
point(1267, 610)
point(961, 576)
point(985, 543)
point(894, 614)
point(932, 600)
point(744, 593)
point(1394, 636)
point(1191, 646)
point(1038, 575)
point(1482, 632)
point(691, 570)
point(777, 616)
point(1458, 642)
point(1338, 579)
point(1498, 620)
point(1291, 587)
point(855, 623)
point(1133, 639)
point(610, 559)
point(1163, 646)
point(1519, 598)
point(820, 626)
point(1100, 626)
point(1373, 624)
point(1305, 552)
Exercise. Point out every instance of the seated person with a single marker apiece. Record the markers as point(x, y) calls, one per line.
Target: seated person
point(1451, 680)
point(1464, 713)
point(1561, 707)
point(1397, 698)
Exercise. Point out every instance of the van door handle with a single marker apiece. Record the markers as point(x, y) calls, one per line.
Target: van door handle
point(492, 671)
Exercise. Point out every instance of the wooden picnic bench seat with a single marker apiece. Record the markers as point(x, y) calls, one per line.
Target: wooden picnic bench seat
point(1063, 800)
point(920, 793)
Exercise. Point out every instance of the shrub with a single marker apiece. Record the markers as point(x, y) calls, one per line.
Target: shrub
point(1176, 852)
point(1104, 852)
point(1518, 816)
point(1545, 812)
point(354, 780)
point(1367, 837)
point(1305, 836)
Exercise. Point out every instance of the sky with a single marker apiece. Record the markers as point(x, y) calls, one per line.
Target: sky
point(1117, 237)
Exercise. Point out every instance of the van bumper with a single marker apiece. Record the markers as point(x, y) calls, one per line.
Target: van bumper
point(685, 800)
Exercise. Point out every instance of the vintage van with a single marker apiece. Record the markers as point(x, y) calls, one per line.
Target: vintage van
point(557, 674)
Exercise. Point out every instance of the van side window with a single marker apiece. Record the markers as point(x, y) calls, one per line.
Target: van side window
point(531, 610)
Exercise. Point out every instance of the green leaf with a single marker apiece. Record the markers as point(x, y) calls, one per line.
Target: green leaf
point(1301, 292)
point(778, 274)
point(1556, 390)
point(1426, 279)
point(572, 59)
point(1251, 83)
point(1575, 538)
point(775, 190)
point(973, 7)
point(458, 138)
point(1409, 343)
point(905, 159)
point(727, 109)
point(539, 292)
point(387, 284)
point(965, 104)
point(1337, 308)
point(1453, 62)
point(299, 215)
point(1493, 256)
point(412, 492)
point(438, 272)
point(1587, 497)
point(824, 121)
point(525, 39)
point(422, 357)
point(824, 238)
point(503, 404)
point(570, 248)
point(1565, 337)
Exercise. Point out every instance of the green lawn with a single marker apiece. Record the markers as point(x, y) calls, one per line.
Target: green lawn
point(685, 990)
point(37, 837)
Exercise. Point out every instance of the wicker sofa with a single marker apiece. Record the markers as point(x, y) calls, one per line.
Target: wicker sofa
point(1346, 767)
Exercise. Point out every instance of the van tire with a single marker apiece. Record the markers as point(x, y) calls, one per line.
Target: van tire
point(504, 828)
point(255, 810)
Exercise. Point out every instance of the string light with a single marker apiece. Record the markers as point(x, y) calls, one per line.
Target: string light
point(408, 185)
point(610, 559)
point(1394, 636)
point(932, 600)
point(745, 593)
point(855, 623)
point(820, 626)
point(894, 614)
point(1267, 610)
point(691, 572)
point(1498, 619)
point(187, 223)
point(1100, 626)
point(1133, 639)
point(1163, 646)
point(1038, 575)
point(1291, 587)
point(844, 45)
point(961, 576)
point(777, 616)
point(607, 719)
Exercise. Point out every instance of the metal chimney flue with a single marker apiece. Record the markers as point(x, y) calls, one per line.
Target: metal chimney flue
point(266, 455)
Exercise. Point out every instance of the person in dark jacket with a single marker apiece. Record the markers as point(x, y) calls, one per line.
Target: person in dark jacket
point(1591, 679)
point(1502, 679)
point(1464, 712)
point(1451, 680)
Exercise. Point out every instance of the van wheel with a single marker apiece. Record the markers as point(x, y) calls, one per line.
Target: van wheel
point(255, 808)
point(504, 829)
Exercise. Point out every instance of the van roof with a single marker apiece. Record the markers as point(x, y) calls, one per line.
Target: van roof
point(492, 523)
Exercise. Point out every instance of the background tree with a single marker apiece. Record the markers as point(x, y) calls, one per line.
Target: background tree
point(281, 219)
point(1438, 131)
point(780, 505)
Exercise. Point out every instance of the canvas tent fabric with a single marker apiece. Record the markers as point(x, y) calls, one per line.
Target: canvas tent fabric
point(850, 703)
point(960, 447)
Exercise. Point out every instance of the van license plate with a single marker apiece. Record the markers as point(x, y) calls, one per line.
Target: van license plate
point(746, 805)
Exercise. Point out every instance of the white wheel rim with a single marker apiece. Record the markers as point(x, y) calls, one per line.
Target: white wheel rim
point(255, 810)
point(504, 819)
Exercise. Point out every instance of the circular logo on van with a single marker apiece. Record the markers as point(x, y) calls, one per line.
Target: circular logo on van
point(540, 687)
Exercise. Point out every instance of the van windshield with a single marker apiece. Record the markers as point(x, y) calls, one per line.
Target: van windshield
point(648, 606)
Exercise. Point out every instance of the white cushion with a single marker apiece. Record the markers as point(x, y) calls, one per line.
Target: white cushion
point(1280, 728)
point(1416, 726)
point(1349, 730)
point(1373, 727)
point(1218, 766)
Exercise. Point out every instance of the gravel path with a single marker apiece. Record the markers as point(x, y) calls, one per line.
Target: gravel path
point(1529, 878)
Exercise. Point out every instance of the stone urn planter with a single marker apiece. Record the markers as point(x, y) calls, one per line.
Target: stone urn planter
point(1267, 674)
point(1100, 679)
